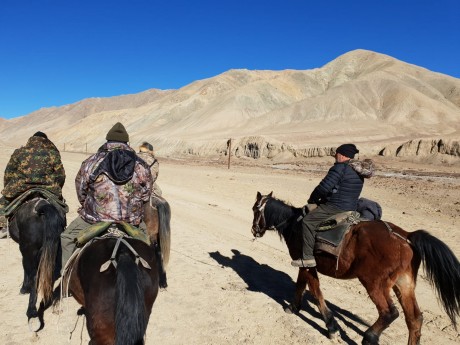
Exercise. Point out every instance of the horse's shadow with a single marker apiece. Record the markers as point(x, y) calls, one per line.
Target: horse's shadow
point(280, 287)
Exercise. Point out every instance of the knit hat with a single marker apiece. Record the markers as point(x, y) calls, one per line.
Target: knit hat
point(118, 133)
point(40, 134)
point(347, 150)
point(146, 147)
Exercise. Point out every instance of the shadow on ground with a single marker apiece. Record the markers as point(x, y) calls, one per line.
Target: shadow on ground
point(280, 287)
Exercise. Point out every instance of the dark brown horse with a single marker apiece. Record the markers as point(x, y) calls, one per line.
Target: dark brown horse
point(381, 255)
point(36, 226)
point(117, 281)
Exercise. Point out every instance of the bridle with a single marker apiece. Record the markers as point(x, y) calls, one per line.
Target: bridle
point(257, 229)
point(259, 225)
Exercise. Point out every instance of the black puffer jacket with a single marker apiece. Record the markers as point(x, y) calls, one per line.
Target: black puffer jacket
point(341, 187)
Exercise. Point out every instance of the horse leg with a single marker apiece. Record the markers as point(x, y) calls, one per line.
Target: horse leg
point(34, 316)
point(30, 261)
point(30, 266)
point(26, 284)
point(101, 328)
point(300, 287)
point(405, 291)
point(379, 292)
point(313, 283)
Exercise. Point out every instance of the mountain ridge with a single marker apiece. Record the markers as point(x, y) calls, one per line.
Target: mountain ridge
point(361, 96)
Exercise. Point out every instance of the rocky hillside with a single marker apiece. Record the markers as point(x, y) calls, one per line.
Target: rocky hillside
point(368, 98)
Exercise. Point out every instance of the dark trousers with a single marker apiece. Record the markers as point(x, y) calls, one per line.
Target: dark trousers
point(310, 225)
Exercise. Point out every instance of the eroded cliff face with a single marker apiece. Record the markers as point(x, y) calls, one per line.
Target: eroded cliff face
point(423, 147)
point(257, 147)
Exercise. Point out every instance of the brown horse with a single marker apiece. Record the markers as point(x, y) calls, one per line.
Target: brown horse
point(381, 255)
point(117, 281)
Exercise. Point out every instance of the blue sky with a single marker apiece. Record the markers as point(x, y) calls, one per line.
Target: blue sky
point(55, 52)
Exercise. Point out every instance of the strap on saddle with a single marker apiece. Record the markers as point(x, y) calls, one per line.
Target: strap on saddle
point(113, 260)
point(337, 220)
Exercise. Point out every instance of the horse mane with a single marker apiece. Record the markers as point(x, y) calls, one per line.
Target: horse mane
point(280, 211)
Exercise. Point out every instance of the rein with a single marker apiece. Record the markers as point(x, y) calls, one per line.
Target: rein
point(298, 219)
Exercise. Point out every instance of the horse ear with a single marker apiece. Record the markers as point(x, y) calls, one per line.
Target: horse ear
point(271, 194)
point(259, 196)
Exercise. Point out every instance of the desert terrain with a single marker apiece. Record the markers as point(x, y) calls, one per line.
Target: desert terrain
point(227, 288)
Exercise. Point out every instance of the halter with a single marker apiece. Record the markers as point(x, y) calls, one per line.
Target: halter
point(255, 226)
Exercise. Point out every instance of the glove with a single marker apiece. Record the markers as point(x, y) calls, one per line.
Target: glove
point(316, 197)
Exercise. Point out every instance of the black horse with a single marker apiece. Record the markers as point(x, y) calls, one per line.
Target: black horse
point(36, 226)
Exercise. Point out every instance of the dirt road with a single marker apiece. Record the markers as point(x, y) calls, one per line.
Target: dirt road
point(226, 288)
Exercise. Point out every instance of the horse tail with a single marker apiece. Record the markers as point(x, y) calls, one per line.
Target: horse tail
point(130, 314)
point(53, 226)
point(442, 269)
point(164, 232)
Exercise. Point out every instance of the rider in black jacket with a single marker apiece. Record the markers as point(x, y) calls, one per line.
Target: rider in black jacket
point(338, 192)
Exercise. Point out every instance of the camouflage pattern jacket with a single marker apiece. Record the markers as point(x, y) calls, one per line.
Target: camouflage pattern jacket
point(36, 165)
point(152, 162)
point(113, 184)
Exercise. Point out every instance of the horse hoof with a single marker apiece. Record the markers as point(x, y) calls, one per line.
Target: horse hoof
point(291, 309)
point(335, 337)
point(34, 324)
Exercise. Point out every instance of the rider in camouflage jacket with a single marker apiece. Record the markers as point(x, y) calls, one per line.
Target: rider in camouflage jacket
point(112, 186)
point(110, 194)
point(37, 164)
point(147, 154)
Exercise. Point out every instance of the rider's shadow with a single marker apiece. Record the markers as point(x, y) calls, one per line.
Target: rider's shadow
point(259, 278)
point(280, 287)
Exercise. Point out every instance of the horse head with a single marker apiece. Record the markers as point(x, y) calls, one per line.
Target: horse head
point(259, 225)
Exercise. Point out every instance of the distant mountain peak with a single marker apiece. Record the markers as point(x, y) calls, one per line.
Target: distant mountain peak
point(360, 96)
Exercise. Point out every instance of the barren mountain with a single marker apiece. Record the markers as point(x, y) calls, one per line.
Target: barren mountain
point(372, 99)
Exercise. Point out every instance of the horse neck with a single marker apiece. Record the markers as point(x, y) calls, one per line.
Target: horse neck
point(277, 213)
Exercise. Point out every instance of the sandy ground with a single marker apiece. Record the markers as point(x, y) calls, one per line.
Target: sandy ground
point(226, 288)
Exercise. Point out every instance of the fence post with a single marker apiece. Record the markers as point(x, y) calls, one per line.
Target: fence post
point(229, 146)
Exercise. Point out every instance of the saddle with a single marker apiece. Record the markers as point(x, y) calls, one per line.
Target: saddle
point(122, 230)
point(90, 235)
point(331, 232)
point(11, 208)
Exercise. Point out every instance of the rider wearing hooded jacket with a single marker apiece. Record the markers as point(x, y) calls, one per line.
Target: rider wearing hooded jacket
point(112, 185)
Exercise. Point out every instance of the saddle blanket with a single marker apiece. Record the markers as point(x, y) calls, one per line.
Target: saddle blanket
point(96, 229)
